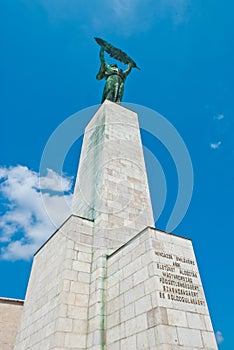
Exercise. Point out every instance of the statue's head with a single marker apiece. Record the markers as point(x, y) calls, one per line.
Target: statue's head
point(114, 65)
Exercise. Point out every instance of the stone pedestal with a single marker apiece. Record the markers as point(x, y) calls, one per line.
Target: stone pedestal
point(155, 298)
point(107, 279)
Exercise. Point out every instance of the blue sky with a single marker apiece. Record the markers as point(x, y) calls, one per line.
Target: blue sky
point(48, 65)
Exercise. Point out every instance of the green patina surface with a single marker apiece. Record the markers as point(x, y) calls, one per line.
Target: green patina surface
point(115, 76)
point(103, 307)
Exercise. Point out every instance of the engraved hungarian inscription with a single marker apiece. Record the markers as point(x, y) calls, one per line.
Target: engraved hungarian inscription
point(178, 279)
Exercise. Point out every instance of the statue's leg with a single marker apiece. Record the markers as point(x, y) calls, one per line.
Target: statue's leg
point(108, 93)
point(120, 92)
point(106, 90)
point(116, 92)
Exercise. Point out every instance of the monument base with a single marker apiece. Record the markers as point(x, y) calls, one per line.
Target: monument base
point(155, 298)
point(98, 283)
point(147, 294)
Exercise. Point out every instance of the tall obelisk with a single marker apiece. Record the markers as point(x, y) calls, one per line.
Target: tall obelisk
point(112, 186)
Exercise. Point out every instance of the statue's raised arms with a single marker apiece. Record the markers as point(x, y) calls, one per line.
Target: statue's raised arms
point(115, 77)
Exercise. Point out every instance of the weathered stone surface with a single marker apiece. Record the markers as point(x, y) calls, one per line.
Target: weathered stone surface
point(56, 306)
point(105, 278)
point(10, 313)
point(112, 185)
point(162, 295)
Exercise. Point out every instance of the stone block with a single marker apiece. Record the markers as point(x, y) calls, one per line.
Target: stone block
point(129, 343)
point(113, 268)
point(114, 291)
point(177, 318)
point(81, 266)
point(114, 334)
point(70, 275)
point(140, 275)
point(187, 337)
point(97, 337)
point(77, 312)
point(113, 319)
point(81, 299)
point(157, 316)
point(130, 327)
point(208, 323)
point(63, 324)
point(83, 277)
point(143, 305)
point(151, 338)
point(79, 326)
point(209, 340)
point(61, 312)
point(150, 285)
point(74, 341)
point(70, 254)
point(49, 330)
point(141, 322)
point(127, 312)
point(79, 287)
point(166, 335)
point(85, 238)
point(125, 284)
point(115, 304)
point(84, 257)
point(142, 341)
point(195, 321)
point(124, 261)
point(95, 322)
point(66, 285)
point(69, 298)
point(114, 346)
point(133, 294)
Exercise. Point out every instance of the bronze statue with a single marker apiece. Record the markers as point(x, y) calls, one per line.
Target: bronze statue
point(115, 77)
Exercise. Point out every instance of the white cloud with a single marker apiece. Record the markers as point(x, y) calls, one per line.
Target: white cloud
point(215, 145)
point(219, 116)
point(55, 182)
point(28, 217)
point(219, 337)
